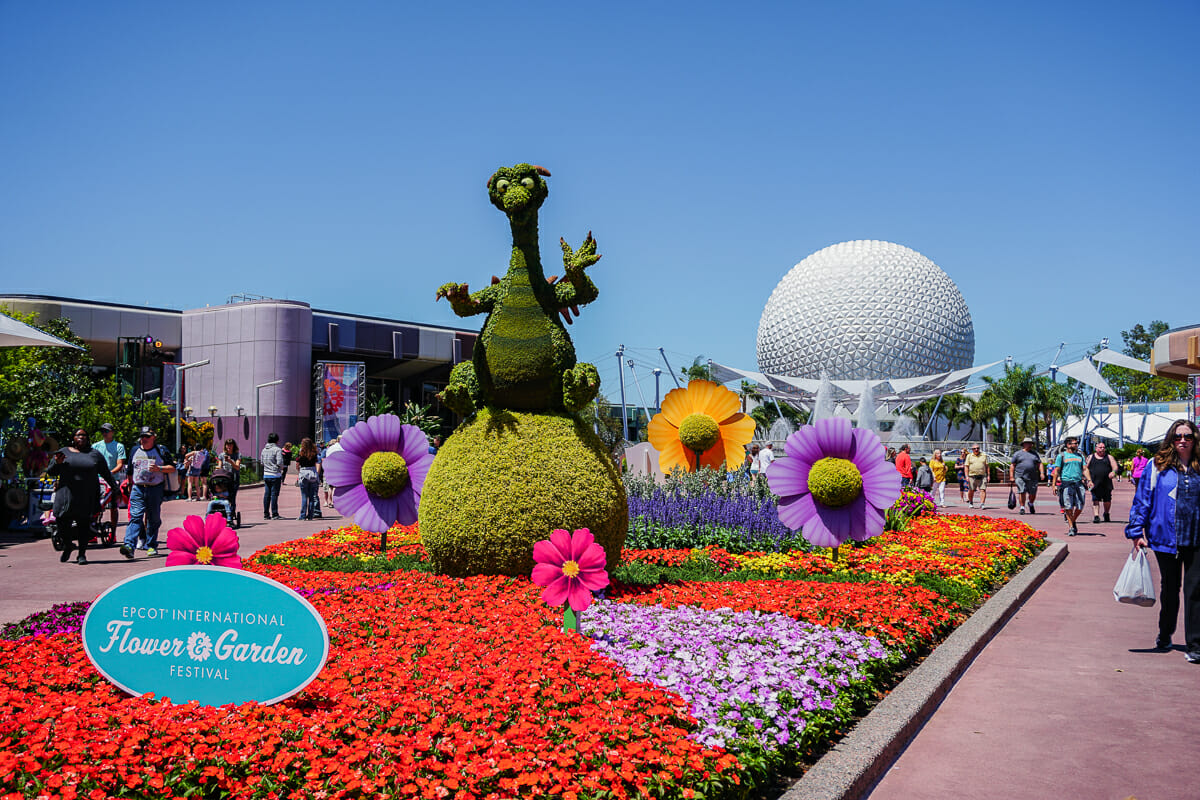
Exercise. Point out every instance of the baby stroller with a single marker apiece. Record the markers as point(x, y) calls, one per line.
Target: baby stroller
point(220, 494)
point(103, 531)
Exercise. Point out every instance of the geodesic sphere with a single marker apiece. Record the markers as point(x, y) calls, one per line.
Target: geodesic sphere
point(865, 309)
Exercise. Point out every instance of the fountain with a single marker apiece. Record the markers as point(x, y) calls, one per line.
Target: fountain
point(866, 409)
point(823, 406)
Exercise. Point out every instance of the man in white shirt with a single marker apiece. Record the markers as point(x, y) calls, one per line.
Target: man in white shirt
point(766, 458)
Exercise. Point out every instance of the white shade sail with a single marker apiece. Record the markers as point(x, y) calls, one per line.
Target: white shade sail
point(14, 333)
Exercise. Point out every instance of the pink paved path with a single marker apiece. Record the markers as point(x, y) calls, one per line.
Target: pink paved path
point(1069, 700)
point(32, 578)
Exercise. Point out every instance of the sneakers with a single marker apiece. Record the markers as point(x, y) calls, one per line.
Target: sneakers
point(1106, 519)
point(1022, 512)
point(1162, 644)
point(1095, 520)
point(276, 517)
point(1193, 657)
point(1031, 511)
point(81, 561)
point(1072, 531)
point(151, 552)
point(127, 551)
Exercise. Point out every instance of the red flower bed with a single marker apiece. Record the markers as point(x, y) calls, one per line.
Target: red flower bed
point(908, 617)
point(434, 688)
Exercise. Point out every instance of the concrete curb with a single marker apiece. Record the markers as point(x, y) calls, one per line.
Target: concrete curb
point(852, 767)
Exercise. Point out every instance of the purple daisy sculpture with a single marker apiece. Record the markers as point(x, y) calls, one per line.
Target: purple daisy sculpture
point(835, 483)
point(379, 472)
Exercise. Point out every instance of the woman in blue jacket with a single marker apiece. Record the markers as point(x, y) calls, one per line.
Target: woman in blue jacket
point(1166, 518)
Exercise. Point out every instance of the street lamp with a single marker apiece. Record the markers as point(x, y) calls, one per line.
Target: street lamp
point(179, 396)
point(142, 405)
point(257, 389)
point(212, 411)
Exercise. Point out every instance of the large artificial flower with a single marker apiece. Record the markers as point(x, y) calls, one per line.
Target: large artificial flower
point(203, 541)
point(700, 426)
point(378, 474)
point(571, 567)
point(834, 483)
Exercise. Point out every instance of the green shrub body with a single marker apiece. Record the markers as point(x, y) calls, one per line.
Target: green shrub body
point(505, 479)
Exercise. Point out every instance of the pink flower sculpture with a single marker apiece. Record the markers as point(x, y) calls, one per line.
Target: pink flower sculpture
point(203, 541)
point(835, 483)
point(379, 472)
point(571, 567)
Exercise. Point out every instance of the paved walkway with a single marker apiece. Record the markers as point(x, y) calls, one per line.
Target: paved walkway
point(32, 578)
point(1069, 700)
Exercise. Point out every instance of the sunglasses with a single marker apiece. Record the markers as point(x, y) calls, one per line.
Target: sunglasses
point(146, 436)
point(1184, 437)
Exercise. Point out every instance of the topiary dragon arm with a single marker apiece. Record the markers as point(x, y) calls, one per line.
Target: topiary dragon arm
point(577, 288)
point(468, 304)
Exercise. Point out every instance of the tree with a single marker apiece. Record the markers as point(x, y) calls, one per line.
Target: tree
point(1138, 387)
point(611, 435)
point(748, 391)
point(1007, 399)
point(105, 403)
point(50, 384)
point(956, 410)
point(923, 412)
point(1048, 402)
point(764, 416)
point(698, 371)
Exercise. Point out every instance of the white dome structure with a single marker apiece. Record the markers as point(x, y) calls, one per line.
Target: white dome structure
point(865, 309)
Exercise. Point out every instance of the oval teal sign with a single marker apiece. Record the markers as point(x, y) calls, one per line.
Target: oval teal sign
point(211, 634)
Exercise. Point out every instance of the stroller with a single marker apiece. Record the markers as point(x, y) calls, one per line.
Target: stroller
point(103, 531)
point(220, 493)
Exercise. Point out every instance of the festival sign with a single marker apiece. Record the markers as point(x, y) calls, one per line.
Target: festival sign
point(211, 634)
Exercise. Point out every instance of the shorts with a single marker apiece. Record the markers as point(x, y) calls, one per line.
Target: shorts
point(1102, 492)
point(194, 472)
point(1071, 495)
point(1027, 486)
point(976, 482)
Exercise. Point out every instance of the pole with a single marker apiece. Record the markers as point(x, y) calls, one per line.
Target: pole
point(254, 447)
point(932, 417)
point(621, 373)
point(657, 393)
point(1051, 436)
point(179, 396)
point(638, 384)
point(669, 370)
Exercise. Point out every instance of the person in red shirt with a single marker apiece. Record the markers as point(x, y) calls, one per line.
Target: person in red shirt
point(904, 466)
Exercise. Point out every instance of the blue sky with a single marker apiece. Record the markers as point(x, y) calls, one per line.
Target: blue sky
point(1043, 154)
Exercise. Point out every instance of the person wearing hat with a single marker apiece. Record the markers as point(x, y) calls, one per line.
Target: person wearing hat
point(114, 455)
point(977, 475)
point(1025, 471)
point(150, 464)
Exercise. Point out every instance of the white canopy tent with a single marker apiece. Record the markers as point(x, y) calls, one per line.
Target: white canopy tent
point(1130, 425)
point(14, 333)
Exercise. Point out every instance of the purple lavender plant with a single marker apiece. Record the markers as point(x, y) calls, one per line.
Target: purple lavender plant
point(753, 680)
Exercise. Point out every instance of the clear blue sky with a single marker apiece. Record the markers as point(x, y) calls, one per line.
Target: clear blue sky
point(1043, 154)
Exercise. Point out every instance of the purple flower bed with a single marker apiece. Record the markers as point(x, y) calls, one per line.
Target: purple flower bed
point(737, 522)
point(62, 618)
point(758, 682)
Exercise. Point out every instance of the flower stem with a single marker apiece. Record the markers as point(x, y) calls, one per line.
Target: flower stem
point(570, 622)
point(383, 543)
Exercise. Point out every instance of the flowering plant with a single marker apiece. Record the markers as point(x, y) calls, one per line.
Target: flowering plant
point(203, 541)
point(571, 567)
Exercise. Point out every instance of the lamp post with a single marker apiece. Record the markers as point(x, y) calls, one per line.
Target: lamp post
point(142, 405)
point(179, 396)
point(257, 389)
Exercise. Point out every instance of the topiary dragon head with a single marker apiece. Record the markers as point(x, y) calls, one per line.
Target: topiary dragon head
point(519, 191)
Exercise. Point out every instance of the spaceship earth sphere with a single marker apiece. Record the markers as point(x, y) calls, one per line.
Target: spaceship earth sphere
point(865, 309)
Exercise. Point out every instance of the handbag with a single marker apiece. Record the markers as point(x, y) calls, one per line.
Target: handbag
point(1135, 584)
point(1012, 498)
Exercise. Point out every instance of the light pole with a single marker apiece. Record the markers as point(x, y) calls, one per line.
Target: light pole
point(142, 405)
point(179, 395)
point(257, 389)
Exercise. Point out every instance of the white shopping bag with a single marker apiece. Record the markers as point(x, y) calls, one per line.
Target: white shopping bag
point(1135, 584)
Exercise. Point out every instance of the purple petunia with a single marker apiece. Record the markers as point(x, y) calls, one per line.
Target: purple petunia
point(834, 483)
point(751, 679)
point(379, 472)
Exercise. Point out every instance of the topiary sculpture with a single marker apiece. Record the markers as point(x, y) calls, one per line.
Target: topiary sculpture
point(522, 464)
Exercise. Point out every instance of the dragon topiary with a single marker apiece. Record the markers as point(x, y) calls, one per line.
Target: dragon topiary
point(522, 463)
point(524, 358)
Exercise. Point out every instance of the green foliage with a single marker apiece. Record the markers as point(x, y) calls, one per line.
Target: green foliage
point(201, 431)
point(421, 417)
point(698, 371)
point(505, 479)
point(105, 403)
point(1138, 387)
point(610, 433)
point(48, 383)
point(764, 416)
point(378, 405)
point(392, 562)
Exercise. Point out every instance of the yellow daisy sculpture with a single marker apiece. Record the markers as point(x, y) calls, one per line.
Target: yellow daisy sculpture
point(700, 426)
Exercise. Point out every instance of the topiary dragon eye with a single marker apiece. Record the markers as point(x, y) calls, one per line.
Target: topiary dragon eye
point(501, 185)
point(527, 183)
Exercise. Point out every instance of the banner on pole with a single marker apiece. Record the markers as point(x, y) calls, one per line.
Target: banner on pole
point(339, 386)
point(170, 384)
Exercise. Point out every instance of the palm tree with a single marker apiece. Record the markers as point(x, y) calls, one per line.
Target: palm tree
point(956, 410)
point(1049, 401)
point(1008, 398)
point(748, 391)
point(923, 412)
